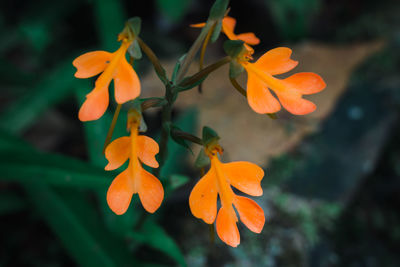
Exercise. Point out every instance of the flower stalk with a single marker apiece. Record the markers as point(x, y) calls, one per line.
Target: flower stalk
point(112, 127)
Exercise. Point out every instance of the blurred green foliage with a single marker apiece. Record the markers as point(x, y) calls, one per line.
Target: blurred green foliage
point(292, 17)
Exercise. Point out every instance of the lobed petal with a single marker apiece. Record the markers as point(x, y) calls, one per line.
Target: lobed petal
point(151, 192)
point(91, 64)
point(117, 153)
point(249, 38)
point(120, 193)
point(95, 105)
point(198, 25)
point(245, 176)
point(276, 61)
point(259, 97)
point(147, 150)
point(229, 23)
point(203, 198)
point(295, 104)
point(126, 82)
point(305, 82)
point(226, 226)
point(251, 214)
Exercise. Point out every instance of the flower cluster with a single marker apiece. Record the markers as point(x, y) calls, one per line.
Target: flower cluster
point(265, 93)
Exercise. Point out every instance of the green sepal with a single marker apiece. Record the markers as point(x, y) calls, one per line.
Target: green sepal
point(216, 32)
point(218, 9)
point(209, 135)
point(235, 69)
point(202, 160)
point(134, 50)
point(177, 139)
point(272, 116)
point(234, 48)
point(134, 25)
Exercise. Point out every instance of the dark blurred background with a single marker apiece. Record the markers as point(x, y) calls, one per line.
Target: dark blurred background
point(332, 184)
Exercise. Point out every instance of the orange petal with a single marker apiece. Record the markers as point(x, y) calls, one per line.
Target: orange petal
point(249, 38)
point(120, 193)
point(251, 214)
point(151, 192)
point(117, 152)
point(126, 83)
point(198, 25)
point(296, 105)
point(91, 64)
point(147, 150)
point(95, 105)
point(259, 97)
point(245, 176)
point(203, 198)
point(226, 227)
point(276, 61)
point(229, 23)
point(306, 82)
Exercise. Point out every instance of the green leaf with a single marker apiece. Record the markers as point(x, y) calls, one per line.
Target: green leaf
point(49, 91)
point(218, 9)
point(52, 169)
point(154, 236)
point(20, 162)
point(174, 10)
point(74, 221)
point(11, 202)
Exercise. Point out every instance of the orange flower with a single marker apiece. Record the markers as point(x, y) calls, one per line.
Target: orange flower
point(113, 66)
point(242, 175)
point(135, 179)
point(289, 91)
point(228, 28)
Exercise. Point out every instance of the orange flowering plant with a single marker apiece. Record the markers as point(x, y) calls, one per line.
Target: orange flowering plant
point(265, 93)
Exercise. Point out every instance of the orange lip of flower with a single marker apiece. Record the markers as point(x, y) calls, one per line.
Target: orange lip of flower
point(289, 91)
point(113, 66)
point(244, 176)
point(135, 179)
point(228, 28)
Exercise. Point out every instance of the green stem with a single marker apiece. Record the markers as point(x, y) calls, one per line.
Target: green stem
point(154, 60)
point(187, 136)
point(112, 127)
point(166, 115)
point(193, 51)
point(238, 87)
point(212, 233)
point(204, 72)
point(203, 52)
